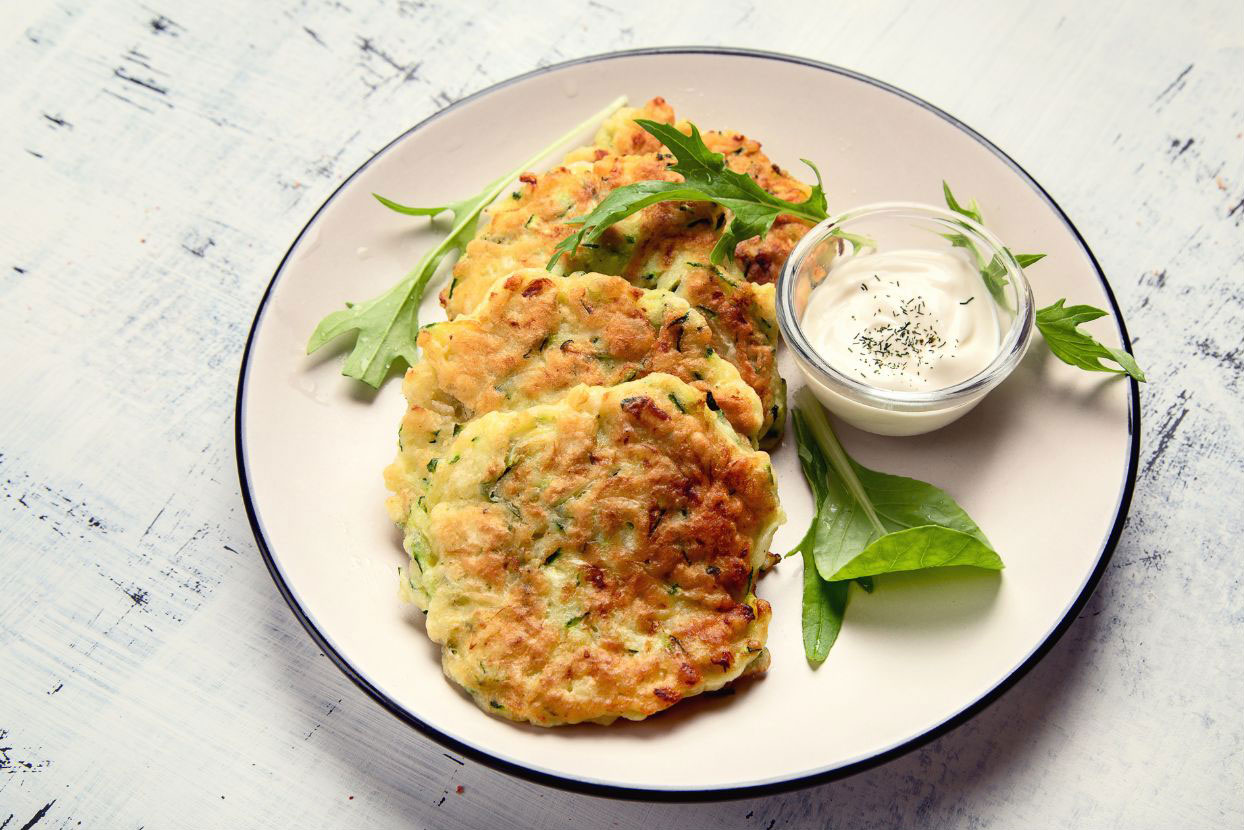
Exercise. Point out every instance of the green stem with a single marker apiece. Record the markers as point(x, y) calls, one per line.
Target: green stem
point(494, 190)
point(824, 434)
point(466, 213)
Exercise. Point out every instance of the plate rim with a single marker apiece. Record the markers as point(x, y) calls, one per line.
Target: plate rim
point(596, 788)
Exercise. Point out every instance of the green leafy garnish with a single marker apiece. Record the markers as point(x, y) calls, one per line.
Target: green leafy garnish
point(867, 524)
point(387, 325)
point(706, 178)
point(824, 606)
point(1059, 325)
point(411, 211)
point(972, 211)
point(994, 271)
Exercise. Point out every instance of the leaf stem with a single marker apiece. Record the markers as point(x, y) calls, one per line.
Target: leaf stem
point(824, 434)
point(494, 190)
point(380, 341)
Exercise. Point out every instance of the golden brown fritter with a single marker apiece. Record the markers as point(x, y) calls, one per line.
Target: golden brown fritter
point(534, 337)
point(760, 260)
point(594, 558)
point(523, 229)
point(672, 252)
point(661, 246)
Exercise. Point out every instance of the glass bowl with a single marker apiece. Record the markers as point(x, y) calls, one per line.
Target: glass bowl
point(894, 226)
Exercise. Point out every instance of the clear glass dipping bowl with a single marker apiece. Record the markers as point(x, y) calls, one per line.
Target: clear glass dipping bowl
point(894, 226)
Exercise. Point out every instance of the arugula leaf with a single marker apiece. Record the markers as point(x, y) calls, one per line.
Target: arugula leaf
point(993, 272)
point(387, 325)
point(972, 211)
point(410, 211)
point(706, 178)
point(868, 523)
point(1059, 325)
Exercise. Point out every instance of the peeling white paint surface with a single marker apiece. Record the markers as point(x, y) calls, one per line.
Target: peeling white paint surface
point(159, 158)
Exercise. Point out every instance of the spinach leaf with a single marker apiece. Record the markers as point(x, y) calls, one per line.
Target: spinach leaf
point(387, 326)
point(824, 605)
point(1059, 325)
point(842, 523)
point(824, 602)
point(868, 523)
point(902, 503)
point(917, 548)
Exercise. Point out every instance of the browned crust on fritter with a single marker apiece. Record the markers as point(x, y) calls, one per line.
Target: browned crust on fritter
point(731, 306)
point(525, 234)
point(626, 138)
point(648, 601)
point(534, 337)
point(521, 233)
point(506, 349)
point(761, 259)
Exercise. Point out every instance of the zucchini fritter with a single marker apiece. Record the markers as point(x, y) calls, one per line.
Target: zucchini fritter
point(536, 336)
point(662, 246)
point(594, 558)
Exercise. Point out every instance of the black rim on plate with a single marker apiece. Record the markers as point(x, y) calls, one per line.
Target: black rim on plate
point(753, 790)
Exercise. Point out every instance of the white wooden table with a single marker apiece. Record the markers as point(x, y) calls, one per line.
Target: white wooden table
point(158, 157)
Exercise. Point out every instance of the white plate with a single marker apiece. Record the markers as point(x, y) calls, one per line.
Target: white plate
point(1046, 464)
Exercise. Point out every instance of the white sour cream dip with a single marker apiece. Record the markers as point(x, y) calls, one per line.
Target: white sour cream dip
point(904, 320)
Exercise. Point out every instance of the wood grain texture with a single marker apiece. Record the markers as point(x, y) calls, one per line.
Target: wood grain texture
point(159, 157)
